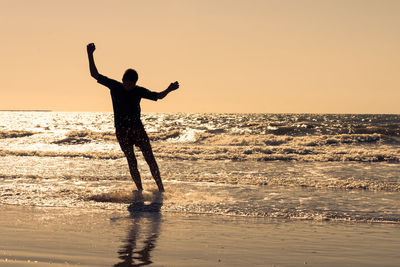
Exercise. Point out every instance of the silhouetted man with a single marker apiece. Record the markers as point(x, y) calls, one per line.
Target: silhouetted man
point(129, 129)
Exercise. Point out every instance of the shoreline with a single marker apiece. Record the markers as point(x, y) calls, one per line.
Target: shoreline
point(42, 236)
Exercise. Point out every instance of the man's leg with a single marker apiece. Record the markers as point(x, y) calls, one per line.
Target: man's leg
point(127, 148)
point(151, 161)
point(130, 156)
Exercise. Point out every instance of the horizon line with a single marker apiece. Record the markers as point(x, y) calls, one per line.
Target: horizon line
point(327, 113)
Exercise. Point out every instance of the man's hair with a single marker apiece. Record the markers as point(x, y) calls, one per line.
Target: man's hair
point(130, 75)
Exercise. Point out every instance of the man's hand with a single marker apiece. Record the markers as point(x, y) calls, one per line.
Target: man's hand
point(90, 48)
point(93, 70)
point(173, 86)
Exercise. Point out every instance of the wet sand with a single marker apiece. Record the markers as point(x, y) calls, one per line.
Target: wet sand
point(39, 236)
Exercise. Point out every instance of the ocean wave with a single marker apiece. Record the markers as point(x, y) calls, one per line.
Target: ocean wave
point(248, 149)
point(216, 138)
point(67, 154)
point(343, 184)
point(163, 136)
point(241, 140)
point(273, 140)
point(308, 128)
point(15, 134)
point(66, 177)
point(299, 129)
point(85, 136)
point(388, 129)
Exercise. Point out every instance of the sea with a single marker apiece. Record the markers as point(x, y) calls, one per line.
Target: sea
point(317, 167)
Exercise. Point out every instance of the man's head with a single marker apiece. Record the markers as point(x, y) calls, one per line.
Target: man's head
point(129, 79)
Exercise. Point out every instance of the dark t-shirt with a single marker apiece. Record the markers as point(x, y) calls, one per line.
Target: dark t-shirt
point(126, 104)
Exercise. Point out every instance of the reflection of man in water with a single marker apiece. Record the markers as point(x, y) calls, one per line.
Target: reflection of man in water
point(130, 253)
point(146, 220)
point(129, 129)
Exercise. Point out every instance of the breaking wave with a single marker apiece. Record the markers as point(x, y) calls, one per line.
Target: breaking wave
point(87, 136)
point(273, 140)
point(219, 137)
point(194, 153)
point(357, 147)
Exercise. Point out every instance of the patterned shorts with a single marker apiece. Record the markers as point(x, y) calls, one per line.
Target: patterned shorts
point(134, 135)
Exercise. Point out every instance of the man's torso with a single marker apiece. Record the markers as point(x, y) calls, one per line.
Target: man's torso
point(126, 104)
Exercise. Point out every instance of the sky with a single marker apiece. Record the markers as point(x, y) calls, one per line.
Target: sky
point(263, 56)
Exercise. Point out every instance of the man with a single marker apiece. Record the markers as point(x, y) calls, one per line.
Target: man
point(129, 129)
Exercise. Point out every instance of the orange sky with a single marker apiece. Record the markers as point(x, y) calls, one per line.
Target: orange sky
point(318, 56)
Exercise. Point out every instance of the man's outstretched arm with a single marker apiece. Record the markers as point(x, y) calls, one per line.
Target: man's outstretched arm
point(171, 87)
point(93, 70)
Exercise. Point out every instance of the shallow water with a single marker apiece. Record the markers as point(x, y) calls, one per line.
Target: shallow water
point(292, 166)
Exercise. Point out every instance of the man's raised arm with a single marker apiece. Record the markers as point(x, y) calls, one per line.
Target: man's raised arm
point(171, 87)
point(93, 70)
